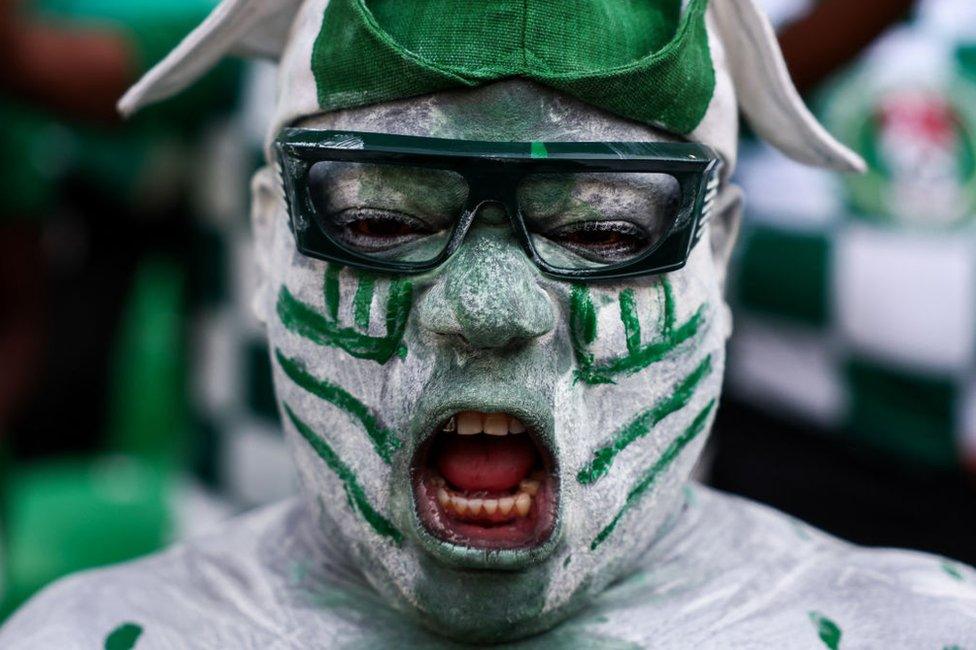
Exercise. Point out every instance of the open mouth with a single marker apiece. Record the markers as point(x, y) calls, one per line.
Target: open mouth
point(485, 481)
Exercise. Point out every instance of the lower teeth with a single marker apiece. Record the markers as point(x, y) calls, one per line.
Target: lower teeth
point(517, 505)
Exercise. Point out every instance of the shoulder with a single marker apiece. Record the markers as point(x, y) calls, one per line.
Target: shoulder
point(869, 597)
point(185, 590)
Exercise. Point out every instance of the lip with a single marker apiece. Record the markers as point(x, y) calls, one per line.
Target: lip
point(539, 421)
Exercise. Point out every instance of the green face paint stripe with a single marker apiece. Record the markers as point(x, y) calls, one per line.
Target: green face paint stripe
point(350, 484)
point(628, 316)
point(583, 331)
point(641, 425)
point(331, 288)
point(951, 570)
point(384, 441)
point(363, 302)
point(669, 312)
point(827, 630)
point(306, 322)
point(539, 150)
point(398, 313)
point(582, 316)
point(651, 476)
point(124, 637)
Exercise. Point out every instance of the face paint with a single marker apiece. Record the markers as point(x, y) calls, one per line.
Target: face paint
point(324, 329)
point(661, 465)
point(638, 357)
point(384, 441)
point(613, 386)
point(641, 425)
point(355, 497)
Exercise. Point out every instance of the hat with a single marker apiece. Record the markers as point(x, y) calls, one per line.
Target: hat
point(682, 67)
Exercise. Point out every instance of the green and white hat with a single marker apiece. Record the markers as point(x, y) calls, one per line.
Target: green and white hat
point(681, 66)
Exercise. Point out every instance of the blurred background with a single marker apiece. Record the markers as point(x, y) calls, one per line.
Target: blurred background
point(136, 404)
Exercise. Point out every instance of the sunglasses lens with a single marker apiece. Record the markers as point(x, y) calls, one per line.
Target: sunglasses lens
point(384, 211)
point(596, 220)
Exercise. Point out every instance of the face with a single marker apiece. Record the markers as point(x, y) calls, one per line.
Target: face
point(491, 446)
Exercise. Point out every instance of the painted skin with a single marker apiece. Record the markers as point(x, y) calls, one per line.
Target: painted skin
point(619, 379)
point(487, 332)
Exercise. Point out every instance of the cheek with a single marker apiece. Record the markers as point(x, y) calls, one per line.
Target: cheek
point(337, 342)
point(649, 360)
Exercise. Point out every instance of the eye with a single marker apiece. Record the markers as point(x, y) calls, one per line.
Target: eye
point(602, 241)
point(371, 230)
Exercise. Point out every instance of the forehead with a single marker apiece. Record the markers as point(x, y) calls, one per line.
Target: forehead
point(514, 110)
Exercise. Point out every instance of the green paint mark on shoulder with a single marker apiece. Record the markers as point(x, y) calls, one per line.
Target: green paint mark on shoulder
point(650, 477)
point(569, 558)
point(641, 425)
point(583, 325)
point(355, 495)
point(539, 150)
point(124, 637)
point(827, 630)
point(952, 570)
point(324, 329)
point(384, 441)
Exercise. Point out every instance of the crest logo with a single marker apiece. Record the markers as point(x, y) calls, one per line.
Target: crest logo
point(920, 146)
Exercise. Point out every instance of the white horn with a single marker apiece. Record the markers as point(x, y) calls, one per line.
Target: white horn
point(243, 27)
point(766, 93)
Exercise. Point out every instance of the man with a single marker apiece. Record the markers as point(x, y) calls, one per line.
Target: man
point(497, 352)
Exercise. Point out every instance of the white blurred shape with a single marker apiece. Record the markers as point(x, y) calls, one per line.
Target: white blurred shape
point(781, 12)
point(950, 19)
point(907, 297)
point(782, 192)
point(787, 366)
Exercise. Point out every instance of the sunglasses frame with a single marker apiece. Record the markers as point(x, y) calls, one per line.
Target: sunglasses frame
point(493, 171)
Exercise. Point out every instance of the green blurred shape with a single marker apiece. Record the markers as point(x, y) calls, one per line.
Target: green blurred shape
point(67, 515)
point(147, 407)
point(910, 416)
point(71, 514)
point(785, 274)
point(966, 58)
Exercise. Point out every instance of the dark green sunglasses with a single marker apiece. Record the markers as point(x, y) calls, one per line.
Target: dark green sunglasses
point(580, 210)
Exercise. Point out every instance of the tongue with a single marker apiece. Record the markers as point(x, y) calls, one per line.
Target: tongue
point(485, 463)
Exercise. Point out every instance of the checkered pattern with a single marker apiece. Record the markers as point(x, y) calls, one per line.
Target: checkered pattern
point(241, 450)
point(860, 327)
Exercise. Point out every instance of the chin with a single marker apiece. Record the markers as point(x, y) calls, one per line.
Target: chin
point(485, 522)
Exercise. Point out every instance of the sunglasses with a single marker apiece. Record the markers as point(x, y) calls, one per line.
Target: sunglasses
point(579, 210)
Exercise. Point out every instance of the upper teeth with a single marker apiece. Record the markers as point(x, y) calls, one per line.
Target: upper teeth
point(469, 423)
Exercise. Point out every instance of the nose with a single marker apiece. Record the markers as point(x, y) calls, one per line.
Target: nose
point(488, 295)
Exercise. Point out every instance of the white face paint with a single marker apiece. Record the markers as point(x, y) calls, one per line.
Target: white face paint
point(618, 383)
